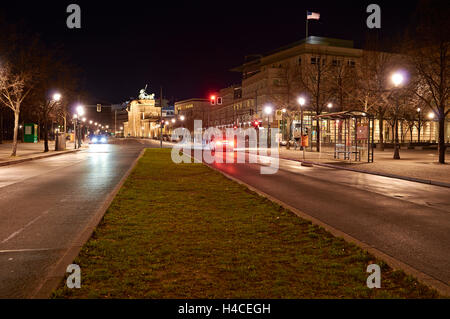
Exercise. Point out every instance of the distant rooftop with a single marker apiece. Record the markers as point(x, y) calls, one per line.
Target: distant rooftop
point(255, 59)
point(316, 40)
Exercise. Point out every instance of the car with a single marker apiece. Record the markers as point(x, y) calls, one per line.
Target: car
point(283, 143)
point(98, 139)
point(222, 145)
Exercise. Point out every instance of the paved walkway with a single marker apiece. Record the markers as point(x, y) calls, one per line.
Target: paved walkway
point(421, 164)
point(28, 150)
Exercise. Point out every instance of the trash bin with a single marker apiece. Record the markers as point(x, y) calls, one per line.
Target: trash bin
point(60, 142)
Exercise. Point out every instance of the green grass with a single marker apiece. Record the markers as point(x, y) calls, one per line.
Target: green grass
point(185, 231)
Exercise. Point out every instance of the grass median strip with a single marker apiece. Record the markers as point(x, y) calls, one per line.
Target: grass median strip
point(186, 231)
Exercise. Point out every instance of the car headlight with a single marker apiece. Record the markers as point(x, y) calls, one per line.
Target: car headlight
point(103, 140)
point(94, 140)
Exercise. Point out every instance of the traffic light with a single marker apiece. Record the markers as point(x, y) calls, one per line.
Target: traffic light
point(219, 101)
point(162, 123)
point(99, 108)
point(213, 99)
point(256, 123)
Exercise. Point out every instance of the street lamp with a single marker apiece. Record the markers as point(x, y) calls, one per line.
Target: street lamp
point(431, 117)
point(56, 97)
point(301, 100)
point(80, 110)
point(330, 105)
point(182, 118)
point(419, 127)
point(397, 79)
point(268, 111)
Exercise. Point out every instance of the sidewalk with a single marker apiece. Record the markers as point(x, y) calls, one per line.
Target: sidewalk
point(29, 151)
point(414, 164)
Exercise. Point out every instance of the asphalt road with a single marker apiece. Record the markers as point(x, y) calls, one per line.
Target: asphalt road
point(406, 220)
point(45, 204)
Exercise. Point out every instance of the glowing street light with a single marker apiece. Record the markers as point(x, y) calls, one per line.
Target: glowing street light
point(173, 121)
point(302, 101)
point(90, 122)
point(80, 110)
point(330, 105)
point(56, 97)
point(182, 118)
point(268, 109)
point(431, 115)
point(397, 78)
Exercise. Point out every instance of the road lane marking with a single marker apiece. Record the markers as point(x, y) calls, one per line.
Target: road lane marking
point(17, 232)
point(27, 250)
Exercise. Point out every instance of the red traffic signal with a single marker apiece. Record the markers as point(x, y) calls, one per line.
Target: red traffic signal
point(256, 123)
point(213, 99)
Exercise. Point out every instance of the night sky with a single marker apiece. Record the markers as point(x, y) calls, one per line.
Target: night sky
point(187, 47)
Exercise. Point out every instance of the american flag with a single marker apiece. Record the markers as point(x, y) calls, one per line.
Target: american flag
point(313, 16)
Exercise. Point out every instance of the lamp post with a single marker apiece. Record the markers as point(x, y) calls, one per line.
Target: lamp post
point(301, 101)
point(284, 124)
point(431, 117)
point(52, 103)
point(418, 127)
point(80, 113)
point(397, 79)
point(75, 130)
point(268, 111)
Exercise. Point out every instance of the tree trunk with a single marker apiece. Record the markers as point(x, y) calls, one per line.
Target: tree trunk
point(45, 136)
point(441, 141)
point(396, 146)
point(1, 125)
point(318, 136)
point(381, 128)
point(418, 133)
point(16, 131)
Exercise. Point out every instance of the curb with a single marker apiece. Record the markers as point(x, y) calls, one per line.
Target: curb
point(37, 157)
point(58, 271)
point(394, 263)
point(406, 178)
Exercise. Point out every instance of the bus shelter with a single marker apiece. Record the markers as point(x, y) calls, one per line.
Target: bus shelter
point(348, 135)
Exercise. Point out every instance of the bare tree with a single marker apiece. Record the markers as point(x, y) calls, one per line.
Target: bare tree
point(14, 88)
point(370, 90)
point(316, 80)
point(17, 73)
point(428, 53)
point(344, 82)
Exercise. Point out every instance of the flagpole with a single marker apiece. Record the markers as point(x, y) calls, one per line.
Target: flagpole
point(306, 39)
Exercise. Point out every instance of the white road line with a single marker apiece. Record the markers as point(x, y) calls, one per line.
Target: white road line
point(17, 232)
point(26, 250)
